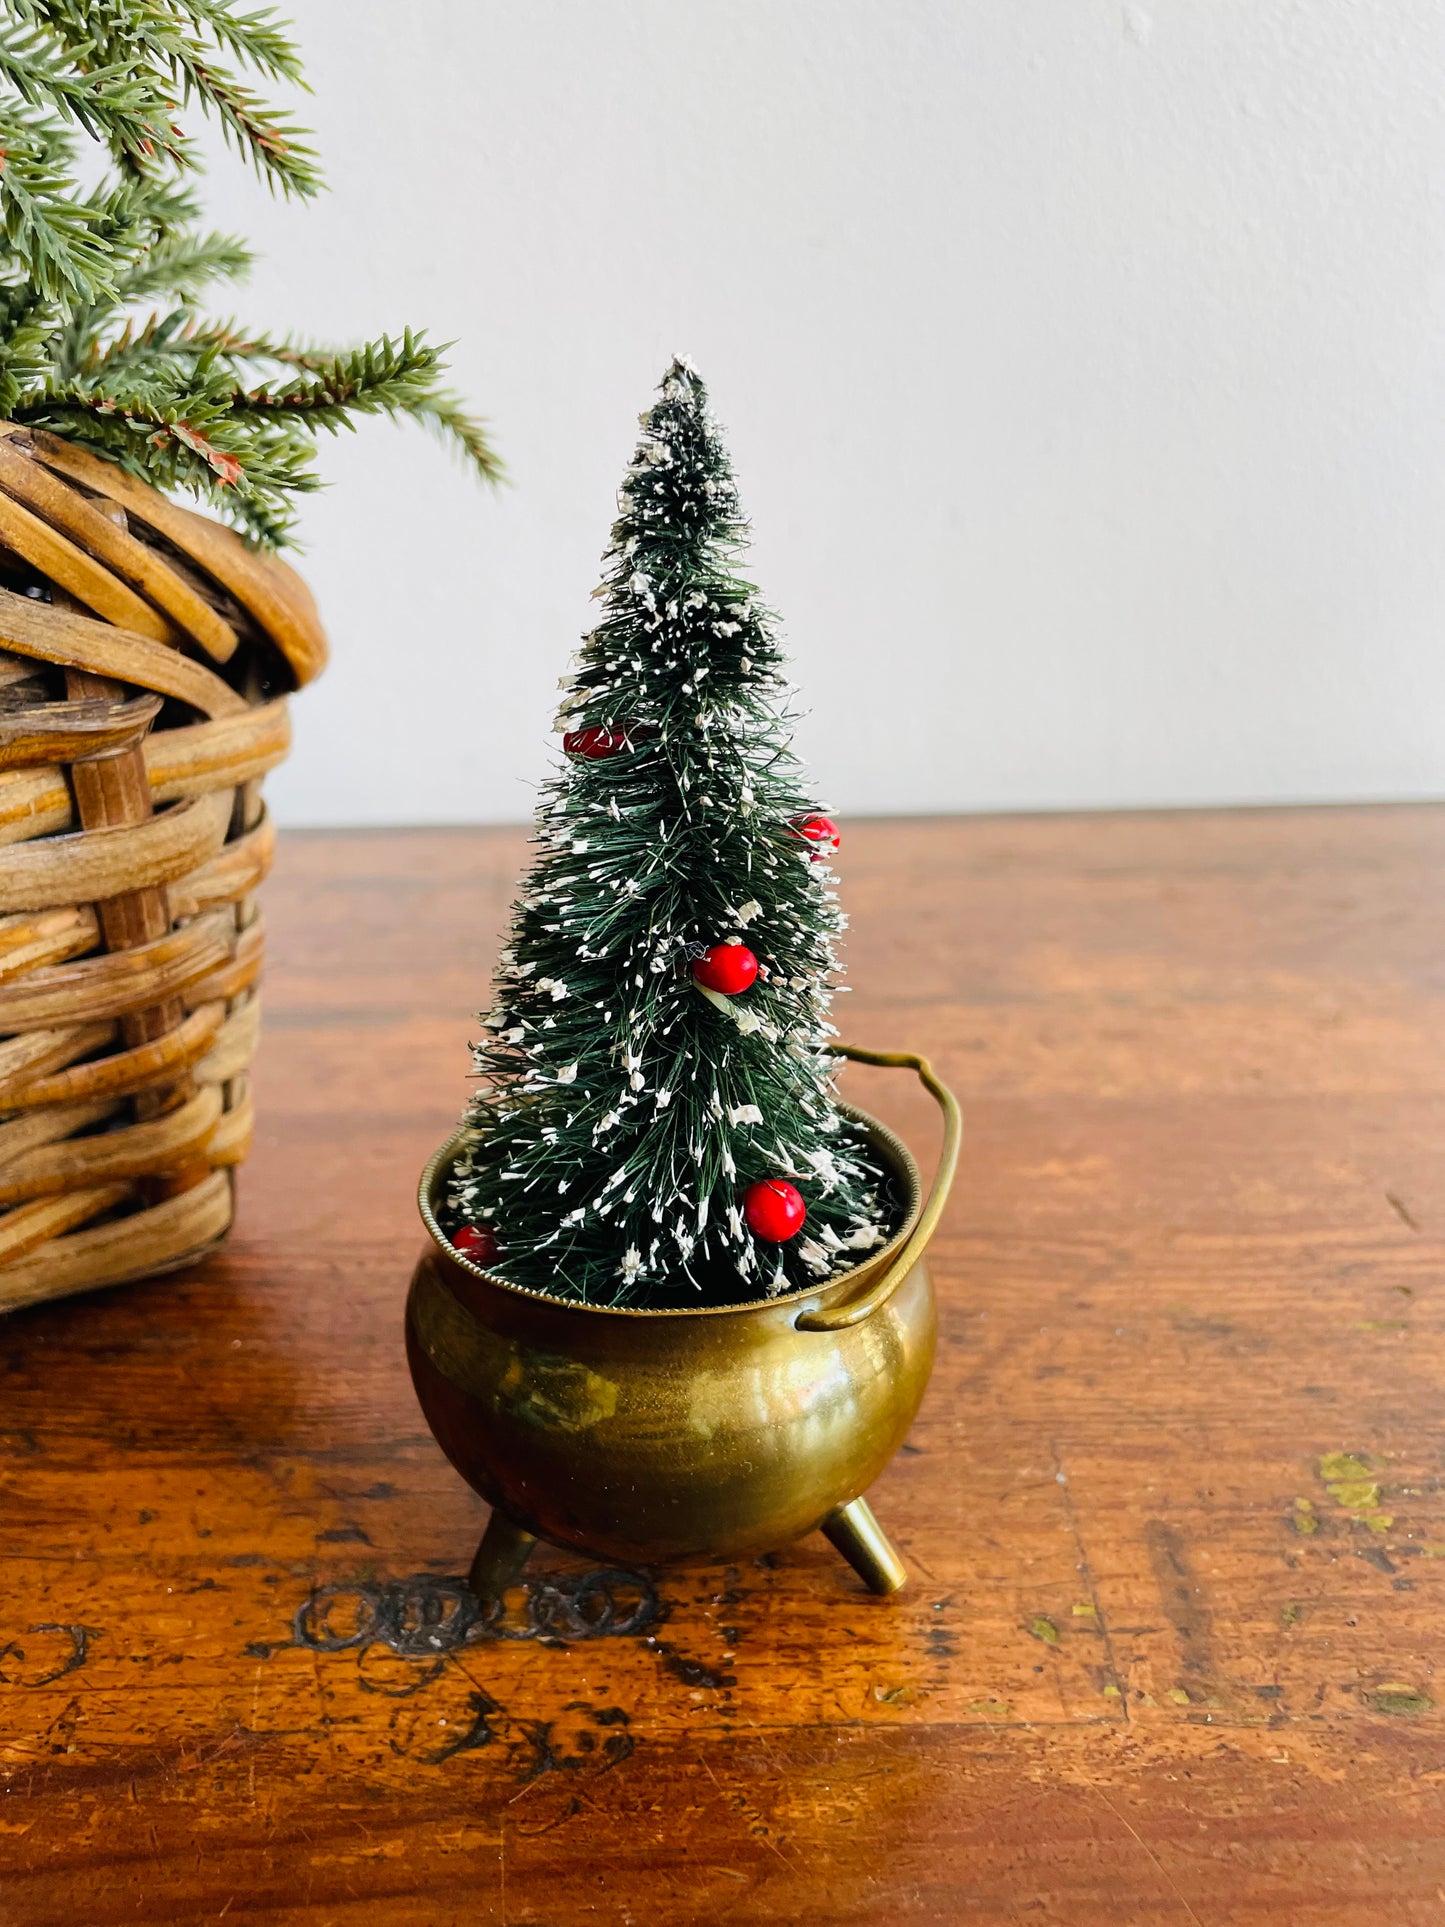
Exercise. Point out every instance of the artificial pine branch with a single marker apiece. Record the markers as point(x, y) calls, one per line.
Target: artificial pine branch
point(48, 232)
point(184, 264)
point(624, 1112)
point(179, 263)
point(148, 39)
point(179, 401)
point(448, 415)
point(27, 331)
point(107, 102)
point(255, 38)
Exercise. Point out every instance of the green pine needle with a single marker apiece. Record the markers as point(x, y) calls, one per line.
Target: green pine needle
point(179, 401)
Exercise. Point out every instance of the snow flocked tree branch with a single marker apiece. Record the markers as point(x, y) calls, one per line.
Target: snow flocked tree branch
point(657, 1124)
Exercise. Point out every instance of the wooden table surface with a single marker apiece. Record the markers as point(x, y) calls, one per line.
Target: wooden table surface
point(1173, 1507)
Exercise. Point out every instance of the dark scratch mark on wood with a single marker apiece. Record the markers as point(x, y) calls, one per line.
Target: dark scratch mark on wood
point(1180, 1595)
point(692, 1672)
point(79, 1637)
point(422, 1677)
point(424, 1615)
point(1401, 1210)
point(484, 1709)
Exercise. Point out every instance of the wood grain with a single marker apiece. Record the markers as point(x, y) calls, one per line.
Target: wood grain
point(47, 634)
point(60, 732)
point(33, 1053)
point(267, 588)
point(156, 1145)
point(124, 869)
point(79, 574)
point(88, 861)
point(144, 1245)
point(29, 1226)
point(34, 802)
point(107, 539)
point(92, 987)
point(123, 1072)
point(29, 940)
point(218, 755)
point(1167, 1657)
point(103, 863)
point(195, 760)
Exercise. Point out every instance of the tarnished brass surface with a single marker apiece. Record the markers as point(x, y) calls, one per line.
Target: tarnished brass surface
point(647, 1436)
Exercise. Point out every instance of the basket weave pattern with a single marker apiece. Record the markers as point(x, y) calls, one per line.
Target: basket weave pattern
point(145, 653)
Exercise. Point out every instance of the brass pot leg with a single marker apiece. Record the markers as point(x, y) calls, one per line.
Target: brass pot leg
point(854, 1531)
point(504, 1550)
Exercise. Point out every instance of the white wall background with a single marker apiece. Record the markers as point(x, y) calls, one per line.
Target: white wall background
point(1084, 365)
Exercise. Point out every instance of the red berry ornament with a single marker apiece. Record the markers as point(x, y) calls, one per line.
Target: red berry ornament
point(821, 831)
point(595, 742)
point(728, 967)
point(774, 1209)
point(475, 1241)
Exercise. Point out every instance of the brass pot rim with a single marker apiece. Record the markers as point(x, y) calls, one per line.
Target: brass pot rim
point(897, 1154)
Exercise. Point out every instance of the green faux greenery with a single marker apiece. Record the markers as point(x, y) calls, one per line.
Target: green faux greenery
point(625, 1111)
point(101, 339)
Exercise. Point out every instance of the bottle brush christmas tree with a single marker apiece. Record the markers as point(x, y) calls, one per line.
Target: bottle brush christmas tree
point(101, 340)
point(657, 1126)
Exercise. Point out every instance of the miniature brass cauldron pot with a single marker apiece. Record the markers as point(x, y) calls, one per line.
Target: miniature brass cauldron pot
point(642, 1437)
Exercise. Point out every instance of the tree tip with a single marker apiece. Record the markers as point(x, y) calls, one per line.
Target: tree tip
point(682, 369)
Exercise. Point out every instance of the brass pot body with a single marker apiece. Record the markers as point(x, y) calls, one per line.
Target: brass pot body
point(640, 1437)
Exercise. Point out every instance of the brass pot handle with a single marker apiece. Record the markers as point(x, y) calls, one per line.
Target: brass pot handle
point(853, 1313)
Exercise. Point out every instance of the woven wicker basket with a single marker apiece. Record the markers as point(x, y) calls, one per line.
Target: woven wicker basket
point(145, 653)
